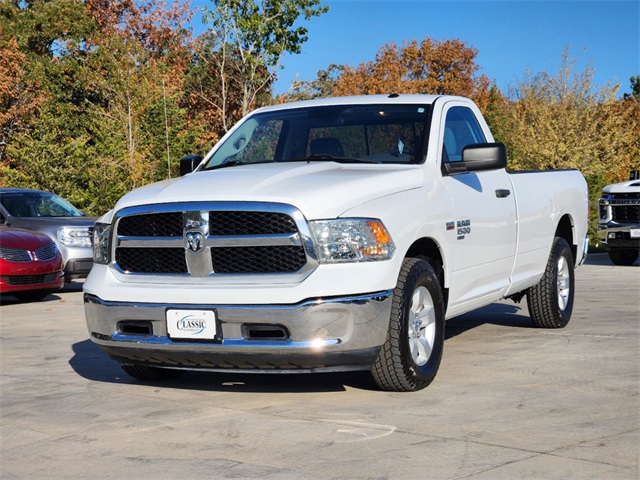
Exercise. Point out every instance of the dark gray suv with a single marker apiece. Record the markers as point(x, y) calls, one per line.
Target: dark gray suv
point(62, 222)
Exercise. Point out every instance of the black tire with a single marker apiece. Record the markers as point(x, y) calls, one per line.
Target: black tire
point(143, 372)
point(398, 367)
point(31, 295)
point(623, 256)
point(550, 302)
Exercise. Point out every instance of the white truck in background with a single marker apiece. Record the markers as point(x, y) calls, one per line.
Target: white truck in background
point(332, 235)
point(619, 220)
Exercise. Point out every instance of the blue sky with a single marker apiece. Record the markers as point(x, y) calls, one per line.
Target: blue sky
point(510, 36)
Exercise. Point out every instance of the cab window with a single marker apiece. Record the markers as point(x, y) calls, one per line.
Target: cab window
point(461, 128)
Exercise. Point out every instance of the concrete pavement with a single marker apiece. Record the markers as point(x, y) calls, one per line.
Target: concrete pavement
point(510, 401)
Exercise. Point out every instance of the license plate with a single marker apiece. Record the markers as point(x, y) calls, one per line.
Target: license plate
point(191, 324)
point(635, 233)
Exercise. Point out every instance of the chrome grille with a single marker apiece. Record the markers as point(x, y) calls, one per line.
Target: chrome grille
point(11, 254)
point(46, 252)
point(212, 239)
point(625, 207)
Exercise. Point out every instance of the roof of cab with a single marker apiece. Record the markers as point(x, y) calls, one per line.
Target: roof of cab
point(362, 100)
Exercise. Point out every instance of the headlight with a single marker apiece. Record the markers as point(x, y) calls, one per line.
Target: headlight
point(75, 237)
point(351, 240)
point(101, 243)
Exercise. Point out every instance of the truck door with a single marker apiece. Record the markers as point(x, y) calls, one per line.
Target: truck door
point(482, 233)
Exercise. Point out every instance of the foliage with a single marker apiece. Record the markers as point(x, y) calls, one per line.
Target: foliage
point(635, 88)
point(321, 87)
point(564, 121)
point(18, 95)
point(432, 66)
point(100, 96)
point(242, 49)
point(97, 74)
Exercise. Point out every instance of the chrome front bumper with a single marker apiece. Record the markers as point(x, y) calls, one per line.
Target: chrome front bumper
point(331, 334)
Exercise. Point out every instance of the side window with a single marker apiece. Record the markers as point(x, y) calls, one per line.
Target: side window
point(461, 128)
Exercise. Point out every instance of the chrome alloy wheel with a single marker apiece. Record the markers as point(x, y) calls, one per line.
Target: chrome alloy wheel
point(422, 326)
point(564, 283)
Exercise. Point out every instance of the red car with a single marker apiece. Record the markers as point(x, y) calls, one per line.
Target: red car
point(30, 264)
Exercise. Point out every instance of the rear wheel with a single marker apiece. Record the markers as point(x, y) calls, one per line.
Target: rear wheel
point(550, 302)
point(143, 372)
point(410, 357)
point(623, 256)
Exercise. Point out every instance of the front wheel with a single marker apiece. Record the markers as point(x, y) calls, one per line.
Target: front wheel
point(410, 357)
point(550, 302)
point(623, 256)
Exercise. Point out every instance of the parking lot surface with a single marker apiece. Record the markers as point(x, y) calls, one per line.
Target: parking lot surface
point(510, 401)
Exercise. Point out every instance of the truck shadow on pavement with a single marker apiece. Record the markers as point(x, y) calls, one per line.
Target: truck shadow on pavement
point(90, 362)
point(93, 364)
point(505, 315)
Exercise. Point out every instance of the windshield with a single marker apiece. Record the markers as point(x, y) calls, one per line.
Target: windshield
point(345, 133)
point(38, 204)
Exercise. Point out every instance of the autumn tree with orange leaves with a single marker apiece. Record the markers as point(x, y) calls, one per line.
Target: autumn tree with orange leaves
point(430, 67)
point(110, 79)
point(19, 96)
point(101, 96)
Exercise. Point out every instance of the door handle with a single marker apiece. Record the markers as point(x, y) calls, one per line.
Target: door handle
point(503, 193)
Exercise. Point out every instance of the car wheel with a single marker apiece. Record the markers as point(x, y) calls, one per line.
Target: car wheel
point(31, 295)
point(411, 354)
point(143, 372)
point(550, 302)
point(623, 256)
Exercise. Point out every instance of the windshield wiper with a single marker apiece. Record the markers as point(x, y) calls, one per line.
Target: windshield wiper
point(233, 163)
point(330, 158)
point(310, 158)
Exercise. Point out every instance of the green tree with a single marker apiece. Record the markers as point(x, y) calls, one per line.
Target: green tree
point(109, 75)
point(635, 88)
point(35, 112)
point(244, 45)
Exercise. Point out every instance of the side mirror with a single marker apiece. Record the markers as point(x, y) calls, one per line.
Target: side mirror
point(479, 156)
point(189, 163)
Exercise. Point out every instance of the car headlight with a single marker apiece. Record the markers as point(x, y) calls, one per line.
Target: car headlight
point(102, 243)
point(351, 240)
point(75, 237)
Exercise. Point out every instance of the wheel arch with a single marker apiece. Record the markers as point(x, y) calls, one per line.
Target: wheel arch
point(428, 249)
point(566, 230)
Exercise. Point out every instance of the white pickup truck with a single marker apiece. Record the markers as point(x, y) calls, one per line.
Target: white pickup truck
point(619, 220)
point(332, 235)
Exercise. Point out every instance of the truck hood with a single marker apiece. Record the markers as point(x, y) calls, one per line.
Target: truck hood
point(319, 189)
point(624, 187)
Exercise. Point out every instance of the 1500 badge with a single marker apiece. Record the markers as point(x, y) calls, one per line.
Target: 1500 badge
point(464, 228)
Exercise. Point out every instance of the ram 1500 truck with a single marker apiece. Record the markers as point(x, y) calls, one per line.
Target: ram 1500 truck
point(332, 235)
point(619, 220)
